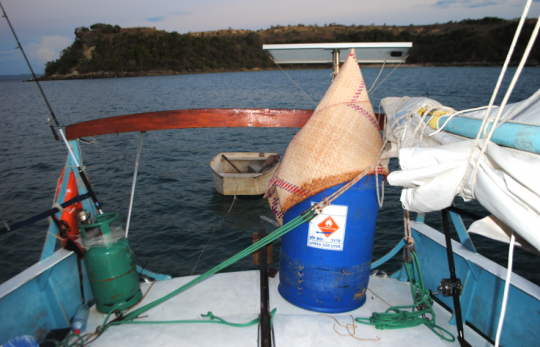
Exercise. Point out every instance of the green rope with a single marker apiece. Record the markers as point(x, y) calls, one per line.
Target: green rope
point(304, 217)
point(396, 318)
point(77, 343)
point(210, 315)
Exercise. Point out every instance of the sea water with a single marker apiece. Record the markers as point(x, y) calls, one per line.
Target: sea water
point(177, 213)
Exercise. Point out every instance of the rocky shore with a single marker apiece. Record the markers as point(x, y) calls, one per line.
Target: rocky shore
point(113, 74)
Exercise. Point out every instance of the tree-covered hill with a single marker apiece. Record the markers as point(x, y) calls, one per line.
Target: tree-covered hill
point(105, 50)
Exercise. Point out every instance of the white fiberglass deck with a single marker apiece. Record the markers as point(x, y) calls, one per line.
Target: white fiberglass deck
point(235, 298)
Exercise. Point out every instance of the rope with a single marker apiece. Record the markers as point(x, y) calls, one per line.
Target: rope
point(211, 236)
point(505, 100)
point(214, 231)
point(212, 320)
point(506, 288)
point(494, 95)
point(314, 103)
point(348, 327)
point(389, 74)
point(439, 129)
point(379, 75)
point(407, 225)
point(77, 343)
point(134, 182)
point(304, 217)
point(526, 104)
point(396, 317)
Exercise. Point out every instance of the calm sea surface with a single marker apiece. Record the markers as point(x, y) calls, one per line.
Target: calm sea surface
point(176, 208)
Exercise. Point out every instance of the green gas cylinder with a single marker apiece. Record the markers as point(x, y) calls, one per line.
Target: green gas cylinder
point(110, 266)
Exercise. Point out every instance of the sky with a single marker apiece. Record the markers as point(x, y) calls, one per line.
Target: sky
point(45, 27)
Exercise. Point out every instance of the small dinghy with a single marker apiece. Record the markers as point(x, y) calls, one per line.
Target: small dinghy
point(244, 173)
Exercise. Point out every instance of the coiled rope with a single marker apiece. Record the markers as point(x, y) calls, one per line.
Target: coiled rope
point(398, 317)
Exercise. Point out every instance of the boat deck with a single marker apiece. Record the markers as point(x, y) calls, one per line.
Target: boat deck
point(235, 298)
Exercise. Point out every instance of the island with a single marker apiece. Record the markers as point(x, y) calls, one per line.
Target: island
point(105, 50)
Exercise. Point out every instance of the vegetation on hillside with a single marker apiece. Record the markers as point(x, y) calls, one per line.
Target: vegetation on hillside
point(104, 47)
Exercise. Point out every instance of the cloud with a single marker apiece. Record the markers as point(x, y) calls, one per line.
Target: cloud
point(467, 3)
point(7, 55)
point(445, 3)
point(483, 4)
point(170, 14)
point(49, 48)
point(155, 19)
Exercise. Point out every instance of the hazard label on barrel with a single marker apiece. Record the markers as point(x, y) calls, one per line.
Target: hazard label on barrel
point(327, 230)
point(328, 226)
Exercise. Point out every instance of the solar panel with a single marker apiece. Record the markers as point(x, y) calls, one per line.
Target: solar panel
point(320, 53)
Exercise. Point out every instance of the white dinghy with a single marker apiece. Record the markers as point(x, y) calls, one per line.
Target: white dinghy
point(244, 173)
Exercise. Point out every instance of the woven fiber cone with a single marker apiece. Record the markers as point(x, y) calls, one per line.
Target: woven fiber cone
point(339, 142)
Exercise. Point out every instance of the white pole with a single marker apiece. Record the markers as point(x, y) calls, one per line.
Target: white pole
point(134, 182)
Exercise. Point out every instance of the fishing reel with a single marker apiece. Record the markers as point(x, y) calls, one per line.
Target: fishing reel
point(448, 287)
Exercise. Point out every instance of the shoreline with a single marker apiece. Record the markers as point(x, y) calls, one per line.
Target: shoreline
point(108, 74)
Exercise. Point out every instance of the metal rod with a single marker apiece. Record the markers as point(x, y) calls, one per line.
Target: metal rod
point(266, 329)
point(452, 268)
point(134, 182)
point(335, 56)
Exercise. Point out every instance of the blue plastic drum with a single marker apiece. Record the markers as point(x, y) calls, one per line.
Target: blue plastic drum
point(324, 265)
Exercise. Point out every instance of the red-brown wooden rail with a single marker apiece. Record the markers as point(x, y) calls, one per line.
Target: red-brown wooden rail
point(195, 118)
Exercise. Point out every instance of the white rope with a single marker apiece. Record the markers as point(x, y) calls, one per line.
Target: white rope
point(134, 182)
point(521, 108)
point(494, 95)
point(369, 93)
point(506, 289)
point(314, 103)
point(379, 75)
point(505, 100)
point(420, 123)
point(439, 129)
point(380, 198)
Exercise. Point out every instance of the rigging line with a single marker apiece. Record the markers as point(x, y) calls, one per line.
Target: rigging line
point(493, 96)
point(526, 104)
point(505, 100)
point(379, 75)
point(293, 81)
point(211, 236)
point(213, 232)
point(506, 288)
point(75, 161)
point(389, 74)
point(134, 182)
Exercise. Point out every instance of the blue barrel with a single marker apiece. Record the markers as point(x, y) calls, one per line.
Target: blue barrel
point(324, 265)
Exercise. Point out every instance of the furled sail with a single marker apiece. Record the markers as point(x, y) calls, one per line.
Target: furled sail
point(438, 165)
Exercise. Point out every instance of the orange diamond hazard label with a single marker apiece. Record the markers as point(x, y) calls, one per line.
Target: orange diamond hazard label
point(328, 226)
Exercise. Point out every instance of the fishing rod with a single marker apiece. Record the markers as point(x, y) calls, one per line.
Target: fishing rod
point(79, 168)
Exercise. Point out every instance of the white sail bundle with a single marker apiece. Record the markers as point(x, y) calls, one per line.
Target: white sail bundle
point(436, 166)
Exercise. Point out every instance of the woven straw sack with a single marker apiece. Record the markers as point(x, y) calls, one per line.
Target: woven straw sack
point(339, 142)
